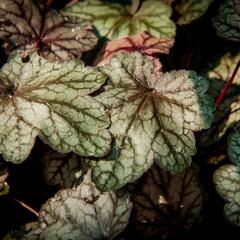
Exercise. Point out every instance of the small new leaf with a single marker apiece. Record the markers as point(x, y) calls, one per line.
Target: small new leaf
point(227, 183)
point(191, 10)
point(152, 114)
point(227, 22)
point(50, 100)
point(27, 27)
point(164, 203)
point(84, 214)
point(114, 20)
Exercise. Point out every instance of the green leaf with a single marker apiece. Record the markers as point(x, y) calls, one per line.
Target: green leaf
point(191, 10)
point(61, 169)
point(164, 203)
point(153, 115)
point(114, 20)
point(227, 22)
point(84, 214)
point(234, 146)
point(229, 111)
point(27, 27)
point(227, 183)
point(50, 100)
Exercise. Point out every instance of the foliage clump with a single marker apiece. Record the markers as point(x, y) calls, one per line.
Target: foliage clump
point(120, 117)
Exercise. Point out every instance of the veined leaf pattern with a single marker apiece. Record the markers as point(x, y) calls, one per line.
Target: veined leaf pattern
point(25, 27)
point(163, 202)
point(83, 213)
point(227, 183)
point(227, 22)
point(142, 42)
point(153, 115)
point(50, 100)
point(115, 21)
point(61, 169)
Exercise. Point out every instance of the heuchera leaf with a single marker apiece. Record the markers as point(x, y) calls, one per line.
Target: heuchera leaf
point(164, 203)
point(84, 214)
point(142, 42)
point(191, 10)
point(114, 20)
point(227, 183)
point(26, 27)
point(225, 68)
point(61, 169)
point(229, 111)
point(227, 22)
point(51, 100)
point(234, 146)
point(153, 116)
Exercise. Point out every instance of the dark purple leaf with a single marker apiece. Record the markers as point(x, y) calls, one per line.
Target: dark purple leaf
point(26, 27)
point(165, 203)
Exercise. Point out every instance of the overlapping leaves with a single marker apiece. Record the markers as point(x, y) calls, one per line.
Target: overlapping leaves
point(227, 22)
point(50, 100)
point(153, 116)
point(163, 202)
point(27, 27)
point(229, 110)
point(83, 214)
point(142, 42)
point(114, 20)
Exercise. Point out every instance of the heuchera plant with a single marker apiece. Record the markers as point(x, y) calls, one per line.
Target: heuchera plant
point(119, 128)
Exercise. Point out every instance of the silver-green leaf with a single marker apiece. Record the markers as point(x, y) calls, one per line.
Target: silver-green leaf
point(153, 115)
point(50, 100)
point(234, 146)
point(83, 213)
point(227, 183)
